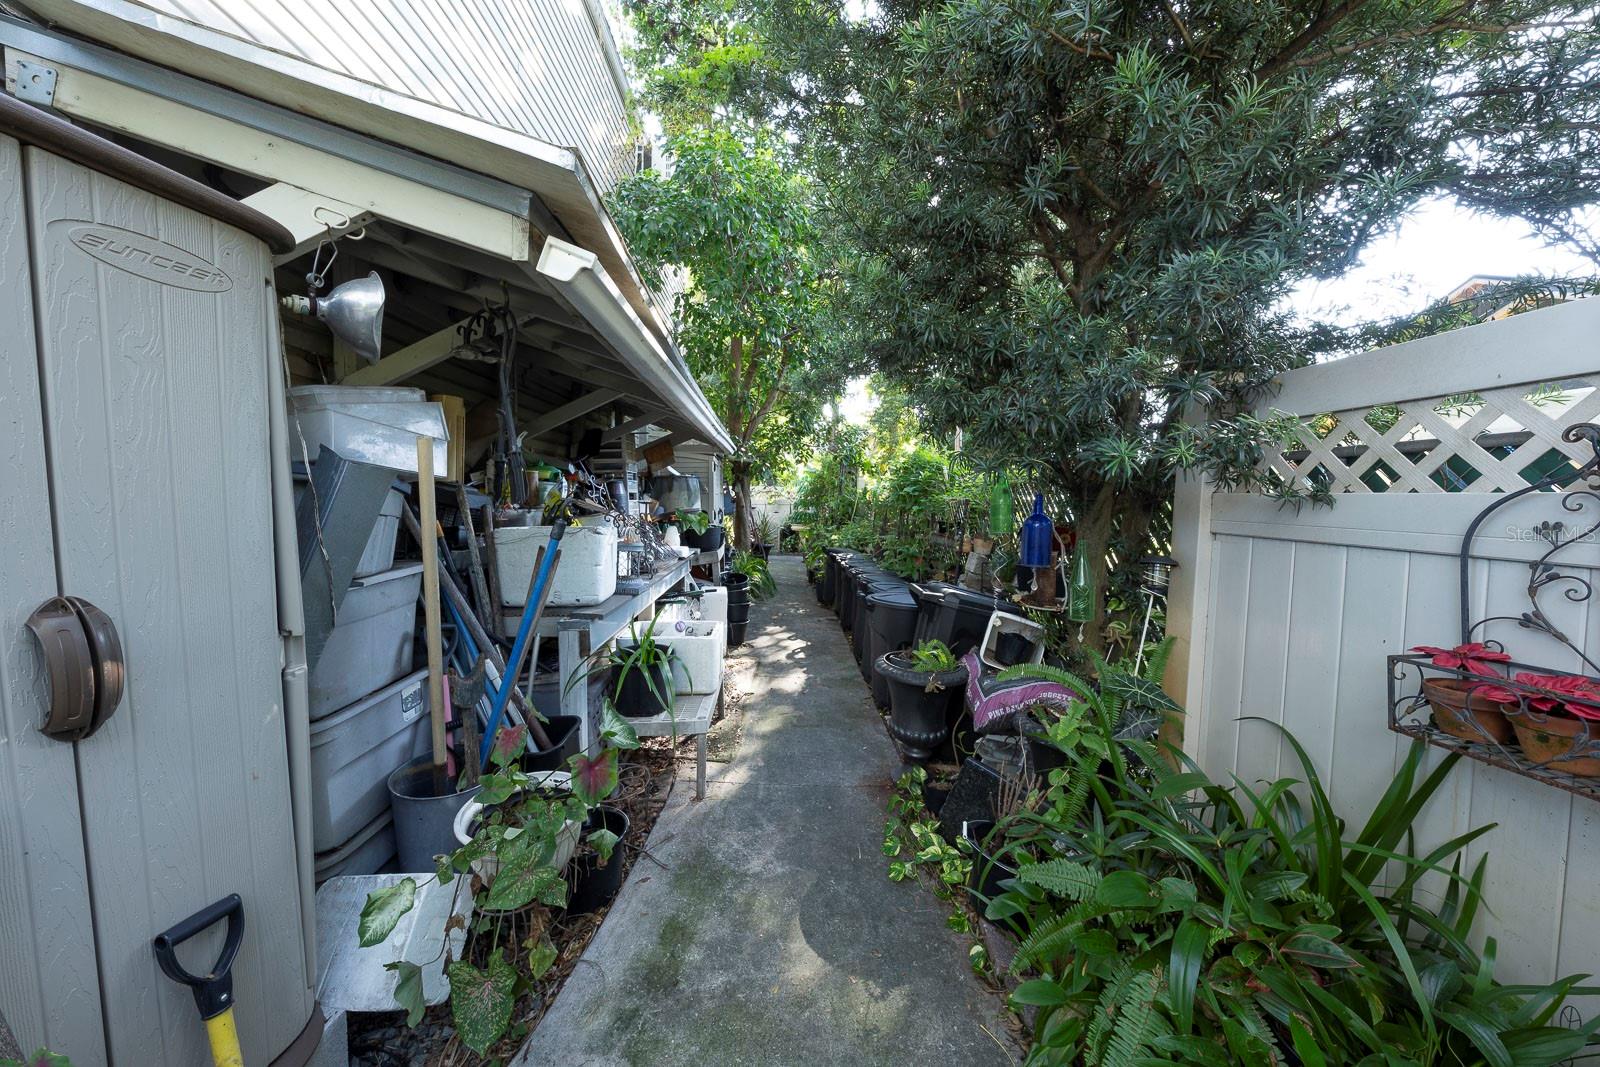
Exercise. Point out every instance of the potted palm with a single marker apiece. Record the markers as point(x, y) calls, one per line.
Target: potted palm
point(763, 536)
point(925, 685)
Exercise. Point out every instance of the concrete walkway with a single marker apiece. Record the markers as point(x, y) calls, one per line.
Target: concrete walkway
point(774, 935)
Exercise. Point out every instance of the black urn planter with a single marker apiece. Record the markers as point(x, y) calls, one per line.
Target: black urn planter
point(920, 703)
point(634, 698)
point(763, 550)
point(594, 886)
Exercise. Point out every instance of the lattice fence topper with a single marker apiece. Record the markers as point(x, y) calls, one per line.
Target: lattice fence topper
point(1494, 440)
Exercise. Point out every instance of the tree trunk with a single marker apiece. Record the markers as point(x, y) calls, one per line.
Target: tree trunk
point(1094, 523)
point(743, 519)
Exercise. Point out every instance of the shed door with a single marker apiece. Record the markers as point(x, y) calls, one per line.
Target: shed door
point(154, 378)
point(49, 990)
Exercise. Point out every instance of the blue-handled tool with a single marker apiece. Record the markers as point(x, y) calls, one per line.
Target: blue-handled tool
point(538, 593)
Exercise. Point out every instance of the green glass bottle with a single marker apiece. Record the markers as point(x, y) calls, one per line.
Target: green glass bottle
point(1002, 514)
point(1080, 594)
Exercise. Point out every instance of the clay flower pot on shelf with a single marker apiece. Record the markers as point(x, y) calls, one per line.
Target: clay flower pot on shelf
point(1469, 708)
point(1462, 709)
point(1558, 728)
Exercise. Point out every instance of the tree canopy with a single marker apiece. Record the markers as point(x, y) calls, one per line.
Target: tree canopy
point(749, 316)
point(1074, 222)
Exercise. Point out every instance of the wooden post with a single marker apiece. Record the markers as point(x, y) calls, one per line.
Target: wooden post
point(495, 623)
point(428, 520)
point(480, 587)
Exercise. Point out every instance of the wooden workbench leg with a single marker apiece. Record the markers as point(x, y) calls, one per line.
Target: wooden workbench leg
point(700, 768)
point(574, 694)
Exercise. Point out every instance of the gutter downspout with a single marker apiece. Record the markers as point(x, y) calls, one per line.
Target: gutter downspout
point(292, 626)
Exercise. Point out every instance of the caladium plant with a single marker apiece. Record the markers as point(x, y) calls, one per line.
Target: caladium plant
point(1474, 657)
point(1551, 694)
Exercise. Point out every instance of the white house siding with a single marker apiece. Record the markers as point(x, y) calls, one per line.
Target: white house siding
point(546, 68)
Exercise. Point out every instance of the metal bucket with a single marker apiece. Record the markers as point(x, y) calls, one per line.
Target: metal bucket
point(423, 821)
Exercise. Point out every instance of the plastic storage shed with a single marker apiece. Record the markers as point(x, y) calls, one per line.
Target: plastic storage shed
point(135, 373)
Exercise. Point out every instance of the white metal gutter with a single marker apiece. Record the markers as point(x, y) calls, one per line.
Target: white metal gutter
point(579, 276)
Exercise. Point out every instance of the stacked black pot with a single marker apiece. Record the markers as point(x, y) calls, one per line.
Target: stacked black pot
point(738, 606)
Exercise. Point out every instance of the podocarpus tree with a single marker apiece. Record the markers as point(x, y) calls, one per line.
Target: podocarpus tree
point(1077, 218)
point(740, 224)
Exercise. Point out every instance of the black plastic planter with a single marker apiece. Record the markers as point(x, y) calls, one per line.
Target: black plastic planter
point(709, 541)
point(919, 716)
point(891, 620)
point(860, 623)
point(983, 884)
point(634, 698)
point(563, 733)
point(736, 633)
point(594, 886)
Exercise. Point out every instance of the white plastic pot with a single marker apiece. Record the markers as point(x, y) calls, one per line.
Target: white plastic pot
point(486, 867)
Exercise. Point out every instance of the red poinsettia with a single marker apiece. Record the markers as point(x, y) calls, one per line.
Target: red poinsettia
point(1568, 692)
point(1474, 658)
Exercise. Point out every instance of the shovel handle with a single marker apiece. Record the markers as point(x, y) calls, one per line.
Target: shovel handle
point(213, 992)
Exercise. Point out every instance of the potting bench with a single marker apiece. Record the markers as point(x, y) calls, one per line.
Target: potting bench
point(691, 716)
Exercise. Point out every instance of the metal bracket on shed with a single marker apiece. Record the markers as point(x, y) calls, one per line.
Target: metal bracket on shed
point(35, 83)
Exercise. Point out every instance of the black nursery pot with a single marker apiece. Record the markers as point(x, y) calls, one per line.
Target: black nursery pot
point(983, 884)
point(594, 886)
point(919, 718)
point(736, 633)
point(634, 698)
point(563, 733)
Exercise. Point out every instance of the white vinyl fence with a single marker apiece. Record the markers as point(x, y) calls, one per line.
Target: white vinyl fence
point(1289, 614)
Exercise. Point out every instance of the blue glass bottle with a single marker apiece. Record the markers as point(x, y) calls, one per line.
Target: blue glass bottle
point(1038, 536)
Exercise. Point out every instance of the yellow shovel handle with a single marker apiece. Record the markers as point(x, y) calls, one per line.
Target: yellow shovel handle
point(224, 1038)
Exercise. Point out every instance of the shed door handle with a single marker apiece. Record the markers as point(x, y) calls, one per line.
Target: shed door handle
point(83, 658)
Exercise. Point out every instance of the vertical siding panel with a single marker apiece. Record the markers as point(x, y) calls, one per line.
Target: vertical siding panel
point(1266, 650)
point(1230, 588)
point(1316, 622)
point(1375, 593)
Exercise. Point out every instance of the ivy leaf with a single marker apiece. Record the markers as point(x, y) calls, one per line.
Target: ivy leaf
point(384, 909)
point(541, 956)
point(594, 777)
point(408, 990)
point(616, 731)
point(481, 1001)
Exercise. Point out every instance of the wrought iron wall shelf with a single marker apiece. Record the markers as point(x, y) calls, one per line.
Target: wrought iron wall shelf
point(1499, 718)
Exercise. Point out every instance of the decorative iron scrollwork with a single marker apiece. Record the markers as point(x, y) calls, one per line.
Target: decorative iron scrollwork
point(1533, 721)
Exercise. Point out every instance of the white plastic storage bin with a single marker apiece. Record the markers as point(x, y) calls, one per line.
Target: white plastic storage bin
point(368, 852)
point(699, 648)
point(588, 571)
point(378, 556)
point(353, 753)
point(373, 644)
point(371, 424)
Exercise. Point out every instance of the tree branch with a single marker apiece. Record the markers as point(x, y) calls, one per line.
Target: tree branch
point(1324, 22)
point(1446, 26)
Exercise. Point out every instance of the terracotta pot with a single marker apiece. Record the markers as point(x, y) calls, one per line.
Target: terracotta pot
point(1461, 710)
point(1548, 739)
